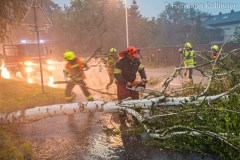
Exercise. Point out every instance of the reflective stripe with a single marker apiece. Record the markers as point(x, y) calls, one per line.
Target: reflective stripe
point(117, 71)
point(70, 69)
point(68, 98)
point(190, 80)
point(89, 97)
point(75, 65)
point(140, 67)
point(78, 79)
point(189, 58)
point(66, 70)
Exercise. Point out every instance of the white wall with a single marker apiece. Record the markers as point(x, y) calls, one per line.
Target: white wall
point(228, 30)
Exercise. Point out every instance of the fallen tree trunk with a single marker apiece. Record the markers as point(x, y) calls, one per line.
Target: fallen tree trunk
point(35, 114)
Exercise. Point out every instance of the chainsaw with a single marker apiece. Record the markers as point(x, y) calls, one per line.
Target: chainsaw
point(141, 87)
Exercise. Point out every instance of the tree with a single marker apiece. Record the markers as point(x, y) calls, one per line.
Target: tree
point(174, 17)
point(198, 34)
point(143, 32)
point(89, 24)
point(11, 15)
point(134, 25)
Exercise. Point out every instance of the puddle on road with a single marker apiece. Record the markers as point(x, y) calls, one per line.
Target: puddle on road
point(82, 138)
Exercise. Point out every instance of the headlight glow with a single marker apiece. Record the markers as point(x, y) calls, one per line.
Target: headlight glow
point(28, 63)
point(29, 69)
point(50, 68)
point(49, 62)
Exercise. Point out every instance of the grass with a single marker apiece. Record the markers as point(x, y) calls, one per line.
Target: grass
point(17, 95)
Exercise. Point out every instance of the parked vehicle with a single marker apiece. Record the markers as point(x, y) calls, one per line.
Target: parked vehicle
point(24, 58)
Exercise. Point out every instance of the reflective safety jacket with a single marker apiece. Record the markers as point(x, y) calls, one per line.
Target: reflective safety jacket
point(190, 58)
point(74, 69)
point(110, 64)
point(125, 70)
point(214, 56)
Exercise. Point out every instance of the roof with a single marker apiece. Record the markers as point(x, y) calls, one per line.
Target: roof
point(233, 17)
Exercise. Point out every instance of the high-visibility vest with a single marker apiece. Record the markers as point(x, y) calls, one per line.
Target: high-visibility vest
point(214, 57)
point(110, 64)
point(71, 69)
point(190, 57)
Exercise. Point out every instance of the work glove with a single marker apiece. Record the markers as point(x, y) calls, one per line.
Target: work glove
point(143, 80)
point(86, 68)
point(143, 83)
point(129, 84)
point(73, 77)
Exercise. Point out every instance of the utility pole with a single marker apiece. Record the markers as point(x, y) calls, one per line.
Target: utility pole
point(126, 22)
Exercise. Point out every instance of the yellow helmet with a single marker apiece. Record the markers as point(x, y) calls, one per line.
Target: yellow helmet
point(215, 47)
point(113, 50)
point(188, 45)
point(69, 55)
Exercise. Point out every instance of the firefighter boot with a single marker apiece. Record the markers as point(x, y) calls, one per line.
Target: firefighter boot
point(185, 73)
point(190, 81)
point(90, 98)
point(69, 101)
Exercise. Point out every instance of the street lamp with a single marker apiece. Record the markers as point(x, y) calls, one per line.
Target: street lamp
point(126, 22)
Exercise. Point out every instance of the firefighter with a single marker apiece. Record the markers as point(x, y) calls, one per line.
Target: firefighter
point(74, 71)
point(112, 59)
point(215, 53)
point(189, 60)
point(125, 73)
point(1, 63)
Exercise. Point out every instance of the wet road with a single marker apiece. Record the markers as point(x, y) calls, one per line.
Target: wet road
point(83, 138)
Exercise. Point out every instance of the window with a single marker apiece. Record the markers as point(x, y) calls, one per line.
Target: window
point(32, 49)
point(11, 51)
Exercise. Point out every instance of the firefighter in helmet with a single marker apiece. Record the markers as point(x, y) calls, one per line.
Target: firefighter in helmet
point(112, 59)
point(215, 54)
point(125, 73)
point(189, 60)
point(74, 71)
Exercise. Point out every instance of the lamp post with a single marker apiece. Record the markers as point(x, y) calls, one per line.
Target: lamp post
point(126, 23)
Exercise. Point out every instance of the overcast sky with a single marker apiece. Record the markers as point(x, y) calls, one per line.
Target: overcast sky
point(152, 8)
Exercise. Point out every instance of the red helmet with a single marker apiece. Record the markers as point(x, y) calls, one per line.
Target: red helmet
point(132, 51)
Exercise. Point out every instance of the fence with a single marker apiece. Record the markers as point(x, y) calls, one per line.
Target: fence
point(169, 56)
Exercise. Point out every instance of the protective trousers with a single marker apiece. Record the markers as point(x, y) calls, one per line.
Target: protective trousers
point(189, 73)
point(82, 84)
point(111, 78)
point(123, 92)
